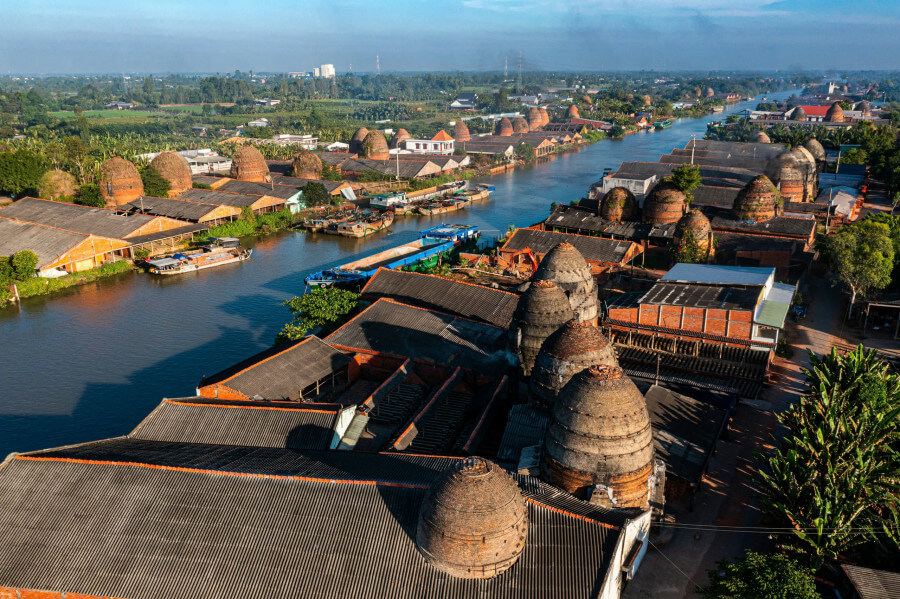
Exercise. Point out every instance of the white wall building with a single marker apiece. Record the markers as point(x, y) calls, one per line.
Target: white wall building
point(439, 144)
point(327, 71)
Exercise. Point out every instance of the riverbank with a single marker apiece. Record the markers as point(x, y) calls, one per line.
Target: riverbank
point(36, 286)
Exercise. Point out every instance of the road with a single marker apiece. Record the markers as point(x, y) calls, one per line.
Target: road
point(727, 497)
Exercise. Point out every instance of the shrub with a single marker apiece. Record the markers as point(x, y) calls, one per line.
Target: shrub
point(89, 195)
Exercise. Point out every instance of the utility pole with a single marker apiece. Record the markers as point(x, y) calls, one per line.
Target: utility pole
point(693, 143)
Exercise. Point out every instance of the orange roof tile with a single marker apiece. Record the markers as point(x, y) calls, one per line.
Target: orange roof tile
point(441, 136)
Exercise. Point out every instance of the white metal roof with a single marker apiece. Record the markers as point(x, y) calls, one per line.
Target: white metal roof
point(719, 275)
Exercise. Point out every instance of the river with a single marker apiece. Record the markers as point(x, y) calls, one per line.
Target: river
point(93, 361)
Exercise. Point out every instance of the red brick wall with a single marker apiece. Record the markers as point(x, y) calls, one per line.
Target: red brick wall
point(724, 323)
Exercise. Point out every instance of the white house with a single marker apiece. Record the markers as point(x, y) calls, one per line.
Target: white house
point(439, 144)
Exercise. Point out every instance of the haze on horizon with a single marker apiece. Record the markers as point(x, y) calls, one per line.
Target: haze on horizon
point(88, 36)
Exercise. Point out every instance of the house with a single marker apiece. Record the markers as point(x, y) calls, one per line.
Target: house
point(185, 210)
point(490, 145)
point(730, 305)
point(58, 251)
point(120, 105)
point(138, 231)
point(464, 102)
point(260, 122)
point(267, 102)
point(337, 146)
point(260, 197)
point(441, 143)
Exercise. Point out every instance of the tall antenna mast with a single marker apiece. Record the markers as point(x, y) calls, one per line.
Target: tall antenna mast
point(505, 68)
point(377, 65)
point(519, 82)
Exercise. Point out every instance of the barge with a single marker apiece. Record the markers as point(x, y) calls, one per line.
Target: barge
point(225, 250)
point(362, 227)
point(433, 245)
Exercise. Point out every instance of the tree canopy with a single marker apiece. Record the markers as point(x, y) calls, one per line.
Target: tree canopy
point(834, 477)
point(315, 194)
point(686, 178)
point(861, 255)
point(320, 307)
point(758, 575)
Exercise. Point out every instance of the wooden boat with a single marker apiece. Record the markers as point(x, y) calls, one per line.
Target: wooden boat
point(363, 227)
point(443, 206)
point(224, 251)
point(662, 124)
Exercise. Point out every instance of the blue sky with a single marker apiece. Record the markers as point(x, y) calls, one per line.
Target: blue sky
point(52, 36)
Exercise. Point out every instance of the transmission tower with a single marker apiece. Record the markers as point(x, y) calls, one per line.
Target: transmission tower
point(519, 81)
point(377, 65)
point(505, 68)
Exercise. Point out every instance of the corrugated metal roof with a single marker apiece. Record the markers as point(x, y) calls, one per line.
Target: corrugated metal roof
point(281, 371)
point(779, 226)
point(181, 209)
point(873, 584)
point(71, 217)
point(168, 234)
point(685, 430)
point(526, 427)
point(253, 424)
point(469, 301)
point(160, 529)
point(719, 297)
point(48, 243)
point(219, 198)
point(594, 249)
point(250, 188)
point(715, 274)
point(398, 329)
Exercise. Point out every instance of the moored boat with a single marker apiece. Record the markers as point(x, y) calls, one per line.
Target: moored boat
point(225, 250)
point(432, 245)
point(363, 227)
point(662, 124)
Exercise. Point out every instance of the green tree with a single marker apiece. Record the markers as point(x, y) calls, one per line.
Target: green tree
point(155, 185)
point(855, 156)
point(758, 576)
point(524, 152)
point(20, 172)
point(89, 195)
point(321, 307)
point(315, 194)
point(686, 178)
point(24, 264)
point(331, 173)
point(7, 272)
point(862, 257)
point(834, 477)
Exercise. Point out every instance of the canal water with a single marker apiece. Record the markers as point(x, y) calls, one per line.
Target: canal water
point(92, 362)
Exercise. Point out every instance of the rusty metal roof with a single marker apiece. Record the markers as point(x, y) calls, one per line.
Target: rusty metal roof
point(149, 520)
point(477, 302)
point(248, 423)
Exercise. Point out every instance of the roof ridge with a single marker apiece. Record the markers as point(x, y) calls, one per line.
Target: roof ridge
point(293, 477)
point(275, 408)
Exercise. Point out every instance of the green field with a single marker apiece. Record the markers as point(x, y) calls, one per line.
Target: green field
point(105, 114)
point(192, 108)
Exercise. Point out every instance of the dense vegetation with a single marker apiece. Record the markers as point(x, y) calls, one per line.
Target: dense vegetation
point(757, 575)
point(834, 480)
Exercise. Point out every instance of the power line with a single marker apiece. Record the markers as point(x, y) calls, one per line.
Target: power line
point(674, 565)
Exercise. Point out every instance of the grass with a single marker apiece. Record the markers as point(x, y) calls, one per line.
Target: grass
point(187, 108)
point(40, 286)
point(105, 114)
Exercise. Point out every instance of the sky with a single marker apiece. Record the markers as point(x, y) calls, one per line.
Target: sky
point(163, 36)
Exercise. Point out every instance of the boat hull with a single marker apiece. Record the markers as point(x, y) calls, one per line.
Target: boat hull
point(186, 268)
